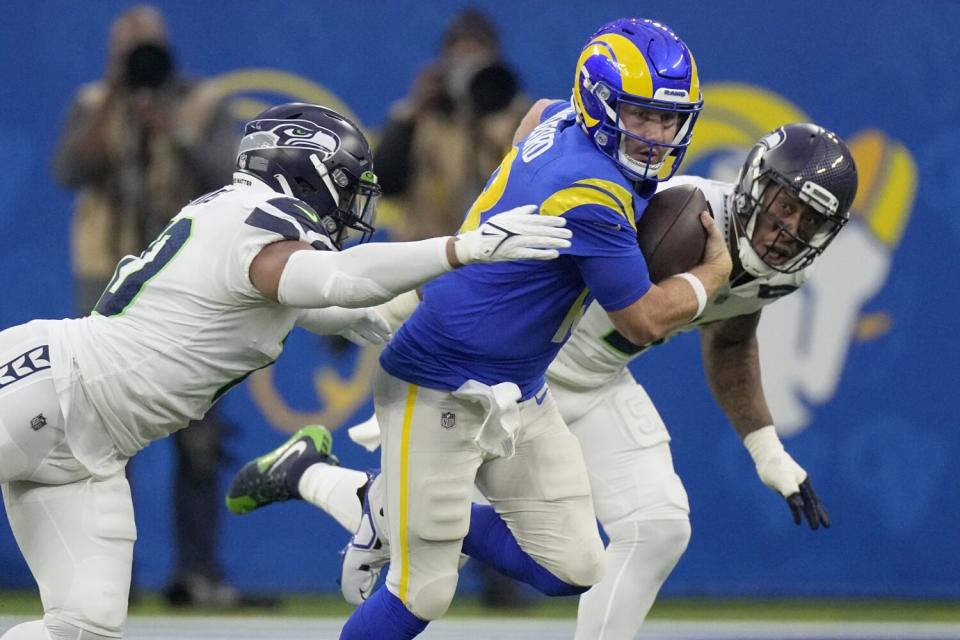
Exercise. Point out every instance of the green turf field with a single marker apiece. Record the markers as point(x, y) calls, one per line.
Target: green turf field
point(813, 610)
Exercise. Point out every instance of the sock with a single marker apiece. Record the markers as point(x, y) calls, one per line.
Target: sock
point(640, 556)
point(334, 490)
point(489, 540)
point(382, 617)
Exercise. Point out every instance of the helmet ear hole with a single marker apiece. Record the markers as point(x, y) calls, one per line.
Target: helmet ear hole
point(305, 187)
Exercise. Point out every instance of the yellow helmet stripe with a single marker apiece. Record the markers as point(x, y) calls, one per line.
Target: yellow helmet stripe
point(694, 79)
point(634, 71)
point(578, 81)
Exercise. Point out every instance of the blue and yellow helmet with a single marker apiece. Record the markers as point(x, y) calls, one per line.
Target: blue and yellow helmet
point(643, 63)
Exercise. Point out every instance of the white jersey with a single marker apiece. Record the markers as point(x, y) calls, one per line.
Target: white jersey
point(596, 353)
point(178, 325)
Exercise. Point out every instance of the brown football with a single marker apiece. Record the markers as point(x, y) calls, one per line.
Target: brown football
point(670, 233)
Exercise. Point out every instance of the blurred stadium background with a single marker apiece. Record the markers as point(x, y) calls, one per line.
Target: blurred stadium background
point(859, 368)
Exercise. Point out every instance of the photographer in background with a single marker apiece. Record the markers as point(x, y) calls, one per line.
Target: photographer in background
point(445, 138)
point(137, 146)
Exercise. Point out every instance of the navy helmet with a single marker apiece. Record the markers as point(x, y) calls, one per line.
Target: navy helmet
point(810, 164)
point(313, 153)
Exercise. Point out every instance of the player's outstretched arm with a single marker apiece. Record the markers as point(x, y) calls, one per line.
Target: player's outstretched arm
point(294, 274)
point(674, 302)
point(360, 326)
point(731, 359)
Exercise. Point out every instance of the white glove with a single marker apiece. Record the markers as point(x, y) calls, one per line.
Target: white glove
point(360, 326)
point(517, 234)
point(775, 467)
point(781, 473)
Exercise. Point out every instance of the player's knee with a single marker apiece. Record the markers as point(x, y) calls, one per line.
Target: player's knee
point(584, 564)
point(672, 537)
point(433, 599)
point(60, 628)
point(661, 543)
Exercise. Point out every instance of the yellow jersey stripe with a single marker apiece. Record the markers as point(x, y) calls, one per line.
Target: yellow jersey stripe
point(584, 194)
point(404, 490)
point(623, 195)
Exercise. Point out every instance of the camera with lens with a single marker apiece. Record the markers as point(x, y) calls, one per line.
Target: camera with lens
point(148, 66)
point(486, 88)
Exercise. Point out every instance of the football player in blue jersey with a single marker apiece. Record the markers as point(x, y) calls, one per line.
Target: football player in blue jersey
point(461, 396)
point(792, 198)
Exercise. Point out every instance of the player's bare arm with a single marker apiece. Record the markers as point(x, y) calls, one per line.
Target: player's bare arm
point(531, 119)
point(672, 303)
point(731, 360)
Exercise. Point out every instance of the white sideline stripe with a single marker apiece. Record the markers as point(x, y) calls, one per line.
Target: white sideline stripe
point(279, 628)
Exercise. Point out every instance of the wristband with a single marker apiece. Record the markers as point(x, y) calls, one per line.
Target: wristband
point(763, 444)
point(698, 290)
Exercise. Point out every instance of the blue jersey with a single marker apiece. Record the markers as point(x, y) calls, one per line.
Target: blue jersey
point(505, 322)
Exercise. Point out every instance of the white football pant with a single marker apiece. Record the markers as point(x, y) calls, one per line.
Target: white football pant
point(429, 468)
point(75, 532)
point(638, 498)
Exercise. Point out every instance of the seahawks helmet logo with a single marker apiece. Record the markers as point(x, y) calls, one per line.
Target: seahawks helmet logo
point(290, 134)
point(773, 139)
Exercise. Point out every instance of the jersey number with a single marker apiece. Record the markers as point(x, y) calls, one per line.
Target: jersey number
point(133, 272)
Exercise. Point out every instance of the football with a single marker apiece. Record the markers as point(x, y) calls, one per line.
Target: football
point(670, 233)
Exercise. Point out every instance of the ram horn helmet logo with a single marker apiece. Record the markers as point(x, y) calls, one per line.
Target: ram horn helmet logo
point(290, 134)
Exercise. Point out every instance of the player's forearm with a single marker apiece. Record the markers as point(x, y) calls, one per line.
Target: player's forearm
point(733, 373)
point(361, 276)
point(530, 120)
point(663, 309)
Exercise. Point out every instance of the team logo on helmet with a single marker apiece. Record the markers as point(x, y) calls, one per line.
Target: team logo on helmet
point(292, 134)
point(773, 139)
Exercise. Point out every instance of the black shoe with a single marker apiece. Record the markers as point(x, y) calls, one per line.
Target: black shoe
point(196, 590)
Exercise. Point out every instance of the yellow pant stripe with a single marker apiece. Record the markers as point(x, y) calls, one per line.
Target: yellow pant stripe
point(404, 490)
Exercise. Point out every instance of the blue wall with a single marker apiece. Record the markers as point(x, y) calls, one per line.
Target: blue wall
point(859, 368)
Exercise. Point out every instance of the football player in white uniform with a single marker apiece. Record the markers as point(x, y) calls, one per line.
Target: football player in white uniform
point(792, 197)
point(209, 301)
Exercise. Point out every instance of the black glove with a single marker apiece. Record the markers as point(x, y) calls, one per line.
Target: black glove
point(806, 504)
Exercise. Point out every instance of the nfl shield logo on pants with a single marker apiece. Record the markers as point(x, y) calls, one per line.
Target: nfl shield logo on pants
point(448, 420)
